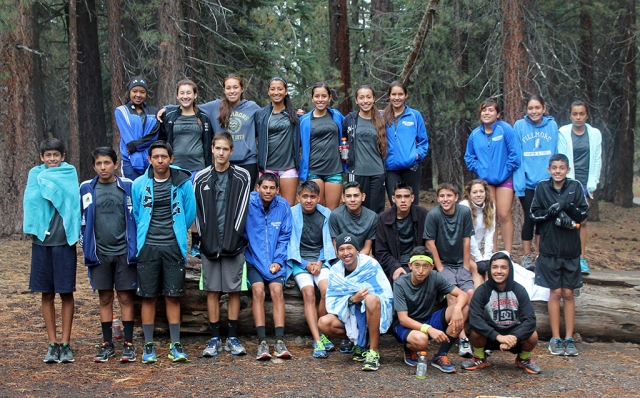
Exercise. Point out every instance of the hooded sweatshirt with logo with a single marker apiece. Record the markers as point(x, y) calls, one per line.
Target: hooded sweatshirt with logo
point(494, 312)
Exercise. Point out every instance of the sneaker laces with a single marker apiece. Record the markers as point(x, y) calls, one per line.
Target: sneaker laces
point(444, 359)
point(319, 345)
point(371, 356)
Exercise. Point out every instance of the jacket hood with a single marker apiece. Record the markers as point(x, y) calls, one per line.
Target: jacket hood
point(545, 120)
point(510, 281)
point(178, 175)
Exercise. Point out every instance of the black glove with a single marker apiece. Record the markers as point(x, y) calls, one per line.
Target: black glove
point(131, 147)
point(554, 209)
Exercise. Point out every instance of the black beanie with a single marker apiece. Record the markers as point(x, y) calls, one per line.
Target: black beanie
point(138, 81)
point(347, 238)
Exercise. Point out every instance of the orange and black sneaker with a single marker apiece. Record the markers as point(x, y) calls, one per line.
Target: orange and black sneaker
point(441, 361)
point(528, 365)
point(475, 363)
point(410, 357)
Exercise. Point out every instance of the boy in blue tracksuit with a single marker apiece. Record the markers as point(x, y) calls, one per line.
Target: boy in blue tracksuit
point(267, 231)
point(164, 207)
point(108, 239)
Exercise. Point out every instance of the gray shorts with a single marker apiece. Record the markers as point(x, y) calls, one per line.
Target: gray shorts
point(223, 274)
point(113, 271)
point(556, 273)
point(460, 277)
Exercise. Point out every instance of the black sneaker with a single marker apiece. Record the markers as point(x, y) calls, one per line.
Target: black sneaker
point(359, 353)
point(106, 351)
point(66, 355)
point(346, 346)
point(128, 353)
point(53, 353)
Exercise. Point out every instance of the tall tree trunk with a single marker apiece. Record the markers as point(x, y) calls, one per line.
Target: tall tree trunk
point(171, 50)
point(116, 68)
point(73, 151)
point(91, 118)
point(20, 110)
point(192, 37)
point(381, 11)
point(426, 24)
point(339, 54)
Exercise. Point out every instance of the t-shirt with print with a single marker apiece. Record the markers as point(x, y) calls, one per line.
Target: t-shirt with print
point(280, 142)
point(368, 159)
point(110, 227)
point(160, 231)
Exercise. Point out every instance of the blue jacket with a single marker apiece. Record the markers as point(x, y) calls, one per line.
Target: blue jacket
point(268, 235)
point(537, 144)
point(493, 157)
point(183, 203)
point(406, 138)
point(87, 230)
point(295, 261)
point(305, 139)
point(136, 133)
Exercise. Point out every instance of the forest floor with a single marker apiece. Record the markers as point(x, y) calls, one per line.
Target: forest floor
point(601, 369)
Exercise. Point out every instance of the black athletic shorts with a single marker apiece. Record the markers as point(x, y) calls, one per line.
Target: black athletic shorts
point(113, 271)
point(161, 271)
point(556, 273)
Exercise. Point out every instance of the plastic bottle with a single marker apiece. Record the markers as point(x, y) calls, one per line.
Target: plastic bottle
point(421, 369)
point(344, 150)
point(116, 327)
point(574, 225)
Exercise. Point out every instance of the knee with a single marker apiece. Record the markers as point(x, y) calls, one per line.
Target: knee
point(258, 293)
point(308, 294)
point(324, 324)
point(106, 300)
point(66, 297)
point(275, 289)
point(125, 299)
point(372, 302)
point(567, 294)
point(555, 294)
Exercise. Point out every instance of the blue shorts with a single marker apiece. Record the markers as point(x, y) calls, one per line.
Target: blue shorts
point(331, 179)
point(437, 320)
point(53, 269)
point(254, 276)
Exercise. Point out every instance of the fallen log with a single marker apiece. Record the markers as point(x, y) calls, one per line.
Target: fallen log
point(608, 309)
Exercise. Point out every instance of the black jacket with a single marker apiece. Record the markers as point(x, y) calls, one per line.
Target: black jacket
point(166, 130)
point(386, 247)
point(261, 121)
point(236, 216)
point(557, 241)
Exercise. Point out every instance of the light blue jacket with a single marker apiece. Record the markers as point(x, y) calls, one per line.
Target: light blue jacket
point(183, 205)
point(493, 157)
point(295, 261)
point(537, 144)
point(305, 139)
point(406, 138)
point(565, 146)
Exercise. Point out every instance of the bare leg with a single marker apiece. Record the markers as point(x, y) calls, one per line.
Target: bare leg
point(478, 340)
point(309, 299)
point(322, 308)
point(321, 198)
point(49, 315)
point(526, 247)
point(583, 237)
point(569, 311)
point(277, 296)
point(68, 307)
point(504, 200)
point(233, 308)
point(106, 305)
point(477, 278)
point(213, 306)
point(125, 298)
point(148, 311)
point(333, 193)
point(530, 343)
point(257, 290)
point(332, 327)
point(173, 309)
point(288, 188)
point(554, 311)
point(417, 341)
point(372, 304)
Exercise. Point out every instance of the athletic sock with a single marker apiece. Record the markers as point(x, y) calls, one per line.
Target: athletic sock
point(279, 333)
point(174, 332)
point(524, 355)
point(479, 352)
point(233, 328)
point(128, 331)
point(195, 239)
point(262, 333)
point(148, 332)
point(107, 333)
point(446, 346)
point(215, 329)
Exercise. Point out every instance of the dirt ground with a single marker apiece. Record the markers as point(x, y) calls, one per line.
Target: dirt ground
point(602, 369)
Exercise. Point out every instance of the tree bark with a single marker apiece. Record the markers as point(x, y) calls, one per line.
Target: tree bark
point(20, 110)
point(116, 68)
point(91, 119)
point(340, 56)
point(170, 50)
point(418, 41)
point(73, 152)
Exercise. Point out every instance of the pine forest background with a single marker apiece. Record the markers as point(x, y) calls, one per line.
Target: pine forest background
point(64, 66)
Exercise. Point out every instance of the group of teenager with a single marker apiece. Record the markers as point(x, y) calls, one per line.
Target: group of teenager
point(259, 192)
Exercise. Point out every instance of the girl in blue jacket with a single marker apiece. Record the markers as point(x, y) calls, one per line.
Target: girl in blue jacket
point(493, 154)
point(407, 141)
point(537, 137)
point(320, 134)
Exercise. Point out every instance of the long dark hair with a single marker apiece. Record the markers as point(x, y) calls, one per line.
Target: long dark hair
point(324, 85)
point(388, 111)
point(288, 105)
point(224, 114)
point(378, 122)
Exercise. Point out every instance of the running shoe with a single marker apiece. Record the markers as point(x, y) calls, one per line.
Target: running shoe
point(319, 350)
point(464, 348)
point(441, 361)
point(328, 345)
point(149, 353)
point(371, 360)
point(53, 353)
point(528, 365)
point(176, 352)
point(195, 251)
point(66, 355)
point(263, 351)
point(410, 357)
point(281, 350)
point(128, 352)
point(359, 353)
point(346, 346)
point(528, 262)
point(570, 349)
point(584, 267)
point(556, 347)
point(106, 351)
point(475, 363)
point(212, 348)
point(234, 346)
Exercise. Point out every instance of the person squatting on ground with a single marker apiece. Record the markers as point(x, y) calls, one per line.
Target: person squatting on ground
point(415, 321)
point(222, 199)
point(311, 254)
point(163, 207)
point(52, 218)
point(268, 231)
point(108, 239)
point(502, 317)
point(359, 302)
point(558, 204)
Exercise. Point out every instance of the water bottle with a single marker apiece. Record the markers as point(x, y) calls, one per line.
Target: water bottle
point(116, 327)
point(574, 225)
point(421, 369)
point(344, 150)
